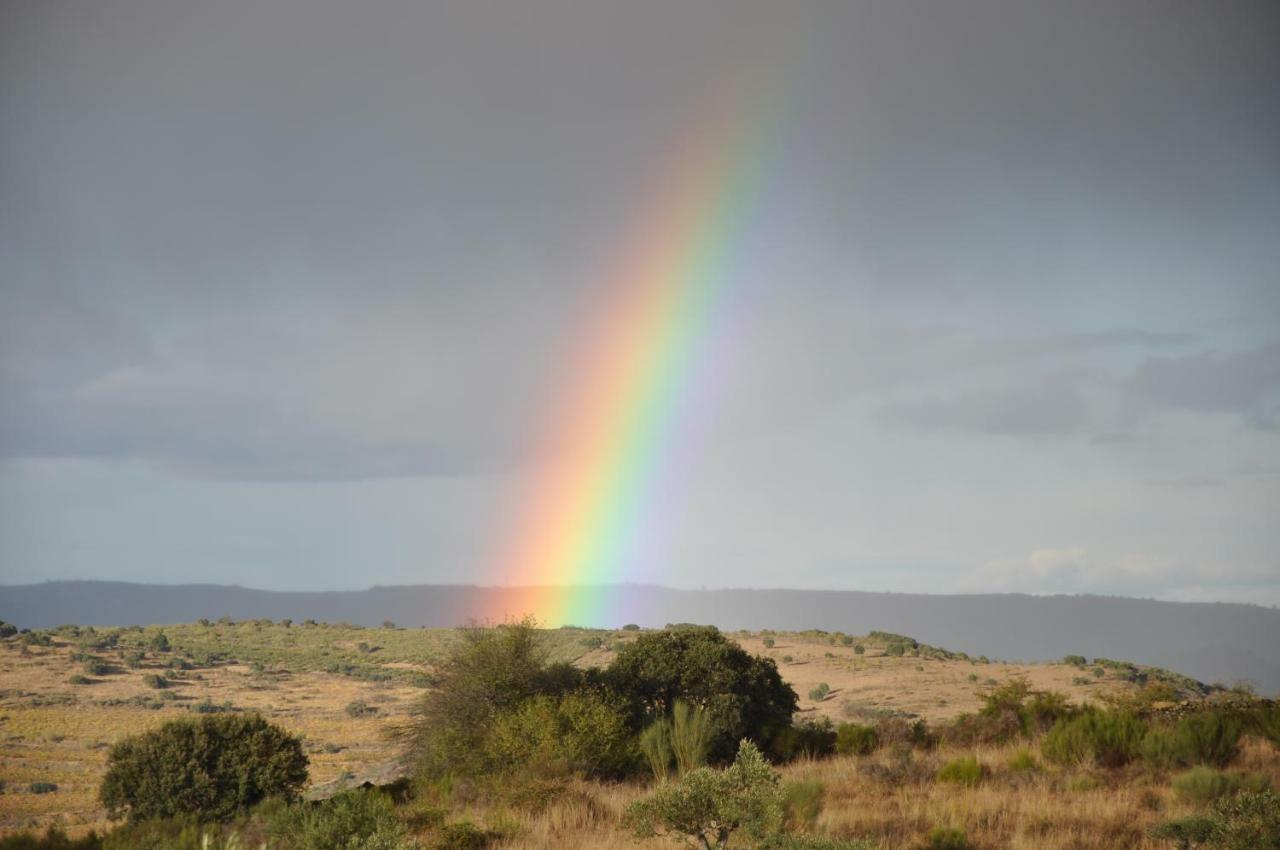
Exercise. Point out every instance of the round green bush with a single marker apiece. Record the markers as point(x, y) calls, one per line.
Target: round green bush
point(213, 768)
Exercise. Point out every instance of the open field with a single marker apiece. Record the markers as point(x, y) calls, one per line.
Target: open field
point(346, 688)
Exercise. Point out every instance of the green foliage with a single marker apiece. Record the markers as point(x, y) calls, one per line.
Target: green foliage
point(810, 738)
point(1203, 785)
point(709, 805)
point(1022, 761)
point(895, 649)
point(691, 735)
point(813, 842)
point(155, 680)
point(820, 693)
point(856, 740)
point(947, 838)
point(360, 708)
point(159, 642)
point(1075, 660)
point(97, 667)
point(802, 803)
point(490, 672)
point(859, 649)
point(631, 627)
point(743, 695)
point(352, 820)
point(1249, 820)
point(768, 642)
point(7, 630)
point(655, 745)
point(42, 787)
point(214, 768)
point(53, 839)
point(966, 770)
point(579, 733)
point(77, 679)
point(1206, 737)
point(1110, 738)
point(846, 640)
point(461, 835)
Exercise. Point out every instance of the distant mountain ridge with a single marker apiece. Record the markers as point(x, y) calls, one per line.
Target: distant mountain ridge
point(1213, 642)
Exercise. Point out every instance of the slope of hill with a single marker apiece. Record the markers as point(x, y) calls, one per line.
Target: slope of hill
point(1213, 642)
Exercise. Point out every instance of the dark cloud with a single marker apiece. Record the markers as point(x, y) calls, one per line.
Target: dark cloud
point(1245, 382)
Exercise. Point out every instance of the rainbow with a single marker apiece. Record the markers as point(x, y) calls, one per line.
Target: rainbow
point(639, 371)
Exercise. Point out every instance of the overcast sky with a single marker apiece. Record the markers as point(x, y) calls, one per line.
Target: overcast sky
point(286, 284)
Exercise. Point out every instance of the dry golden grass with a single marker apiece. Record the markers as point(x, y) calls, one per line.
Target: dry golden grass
point(53, 731)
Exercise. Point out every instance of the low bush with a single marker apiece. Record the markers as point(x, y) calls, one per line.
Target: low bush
point(947, 838)
point(213, 768)
point(42, 787)
point(155, 680)
point(856, 739)
point(820, 693)
point(461, 835)
point(352, 820)
point(1022, 761)
point(802, 803)
point(1204, 785)
point(579, 733)
point(966, 770)
point(78, 679)
point(1109, 738)
point(814, 842)
point(810, 738)
point(360, 708)
point(1246, 821)
point(1206, 737)
point(708, 806)
point(54, 838)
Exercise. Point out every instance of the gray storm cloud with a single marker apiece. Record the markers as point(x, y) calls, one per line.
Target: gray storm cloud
point(289, 284)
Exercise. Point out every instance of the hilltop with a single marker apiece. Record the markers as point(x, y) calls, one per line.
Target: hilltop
point(1212, 642)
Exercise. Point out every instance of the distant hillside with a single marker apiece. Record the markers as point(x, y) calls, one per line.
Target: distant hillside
point(1213, 642)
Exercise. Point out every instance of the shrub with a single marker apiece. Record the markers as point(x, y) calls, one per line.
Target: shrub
point(769, 642)
point(7, 630)
point(655, 745)
point(1075, 660)
point(820, 693)
point(352, 820)
point(489, 673)
point(461, 835)
point(895, 649)
point(97, 667)
point(1203, 785)
point(802, 803)
point(1207, 737)
point(691, 734)
point(1110, 738)
point(1248, 821)
point(54, 839)
point(133, 660)
point(846, 640)
point(155, 680)
point(77, 679)
point(811, 738)
point(159, 642)
point(1022, 761)
point(856, 739)
point(947, 838)
point(360, 708)
point(859, 649)
point(743, 695)
point(708, 806)
point(579, 733)
point(966, 770)
point(213, 768)
point(42, 787)
point(1264, 722)
point(814, 842)
point(631, 627)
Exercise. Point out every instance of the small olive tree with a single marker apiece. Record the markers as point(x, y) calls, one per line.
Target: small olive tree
point(706, 807)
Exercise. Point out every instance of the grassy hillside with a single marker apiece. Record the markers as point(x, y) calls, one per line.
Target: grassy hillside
point(66, 695)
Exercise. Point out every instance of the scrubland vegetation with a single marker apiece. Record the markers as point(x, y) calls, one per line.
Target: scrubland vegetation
point(513, 737)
